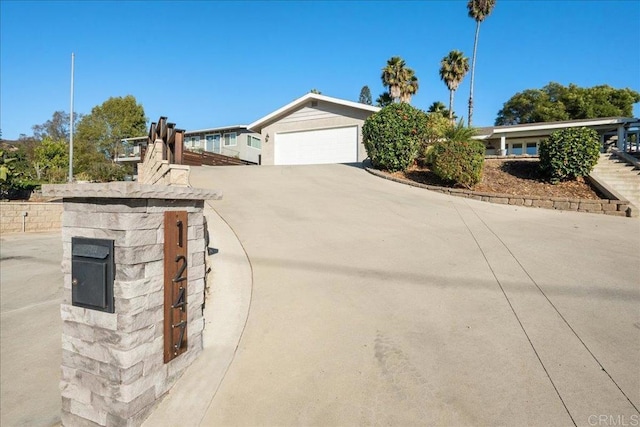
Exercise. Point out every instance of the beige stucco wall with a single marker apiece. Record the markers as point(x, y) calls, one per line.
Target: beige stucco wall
point(325, 115)
point(40, 216)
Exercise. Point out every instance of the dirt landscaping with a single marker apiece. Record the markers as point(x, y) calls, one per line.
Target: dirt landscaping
point(510, 176)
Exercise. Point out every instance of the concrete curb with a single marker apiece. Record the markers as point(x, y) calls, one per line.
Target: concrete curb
point(229, 288)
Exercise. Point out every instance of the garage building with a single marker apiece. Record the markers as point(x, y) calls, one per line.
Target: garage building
point(314, 129)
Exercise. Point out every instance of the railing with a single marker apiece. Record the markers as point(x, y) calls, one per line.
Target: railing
point(205, 158)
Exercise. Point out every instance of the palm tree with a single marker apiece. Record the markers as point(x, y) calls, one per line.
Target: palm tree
point(453, 68)
point(439, 108)
point(409, 87)
point(384, 99)
point(400, 79)
point(478, 10)
point(458, 132)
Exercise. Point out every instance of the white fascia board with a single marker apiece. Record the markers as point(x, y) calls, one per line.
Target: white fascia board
point(260, 123)
point(217, 129)
point(562, 125)
point(344, 102)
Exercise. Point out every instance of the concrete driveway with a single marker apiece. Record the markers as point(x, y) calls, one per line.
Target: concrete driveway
point(379, 303)
point(30, 329)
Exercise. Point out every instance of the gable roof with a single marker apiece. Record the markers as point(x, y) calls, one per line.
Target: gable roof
point(486, 132)
point(290, 107)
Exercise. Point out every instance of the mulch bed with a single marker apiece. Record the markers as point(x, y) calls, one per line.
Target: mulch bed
point(515, 177)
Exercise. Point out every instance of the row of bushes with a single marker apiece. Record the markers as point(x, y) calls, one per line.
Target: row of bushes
point(400, 135)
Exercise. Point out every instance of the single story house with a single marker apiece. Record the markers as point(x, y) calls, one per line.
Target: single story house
point(313, 129)
point(318, 129)
point(233, 141)
point(525, 138)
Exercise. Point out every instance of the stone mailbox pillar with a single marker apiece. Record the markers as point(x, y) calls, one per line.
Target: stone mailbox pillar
point(117, 365)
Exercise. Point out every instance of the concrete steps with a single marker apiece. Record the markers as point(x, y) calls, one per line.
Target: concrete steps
point(619, 175)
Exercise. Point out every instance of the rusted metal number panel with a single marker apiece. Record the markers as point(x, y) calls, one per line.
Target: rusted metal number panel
point(175, 284)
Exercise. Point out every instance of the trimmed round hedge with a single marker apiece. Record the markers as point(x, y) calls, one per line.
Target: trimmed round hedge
point(393, 135)
point(569, 153)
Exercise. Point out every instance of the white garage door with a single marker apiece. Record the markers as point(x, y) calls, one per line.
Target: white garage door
point(337, 145)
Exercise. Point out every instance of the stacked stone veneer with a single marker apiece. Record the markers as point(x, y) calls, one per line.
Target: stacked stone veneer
point(39, 216)
point(113, 371)
point(600, 206)
point(154, 170)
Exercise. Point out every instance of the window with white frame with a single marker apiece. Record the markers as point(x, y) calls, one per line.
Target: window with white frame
point(253, 141)
point(532, 148)
point(229, 139)
point(192, 142)
point(516, 148)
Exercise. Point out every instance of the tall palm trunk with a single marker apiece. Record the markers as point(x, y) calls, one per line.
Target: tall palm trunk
point(394, 91)
point(451, 105)
point(473, 73)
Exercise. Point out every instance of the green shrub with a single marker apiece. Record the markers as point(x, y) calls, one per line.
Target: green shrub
point(437, 126)
point(15, 183)
point(17, 190)
point(106, 172)
point(393, 135)
point(458, 158)
point(569, 153)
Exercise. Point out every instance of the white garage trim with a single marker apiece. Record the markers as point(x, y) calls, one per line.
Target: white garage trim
point(321, 146)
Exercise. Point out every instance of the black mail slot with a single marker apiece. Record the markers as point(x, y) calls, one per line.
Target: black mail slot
point(92, 273)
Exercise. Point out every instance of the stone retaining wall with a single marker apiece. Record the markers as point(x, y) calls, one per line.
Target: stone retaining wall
point(600, 206)
point(39, 216)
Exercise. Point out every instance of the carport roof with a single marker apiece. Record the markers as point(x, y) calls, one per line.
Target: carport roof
point(545, 127)
point(281, 112)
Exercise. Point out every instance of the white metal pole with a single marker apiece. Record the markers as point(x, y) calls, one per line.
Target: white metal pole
point(73, 56)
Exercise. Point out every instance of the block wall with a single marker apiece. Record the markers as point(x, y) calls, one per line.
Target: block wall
point(39, 216)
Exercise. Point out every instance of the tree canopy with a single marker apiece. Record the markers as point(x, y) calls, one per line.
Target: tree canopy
point(453, 68)
point(480, 9)
point(365, 96)
point(556, 102)
point(51, 159)
point(109, 123)
point(438, 107)
point(56, 129)
point(384, 99)
point(400, 79)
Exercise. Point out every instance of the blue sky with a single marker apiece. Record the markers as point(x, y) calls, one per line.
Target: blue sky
point(207, 64)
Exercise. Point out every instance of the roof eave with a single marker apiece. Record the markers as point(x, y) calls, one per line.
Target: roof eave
point(563, 124)
point(261, 123)
point(216, 129)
